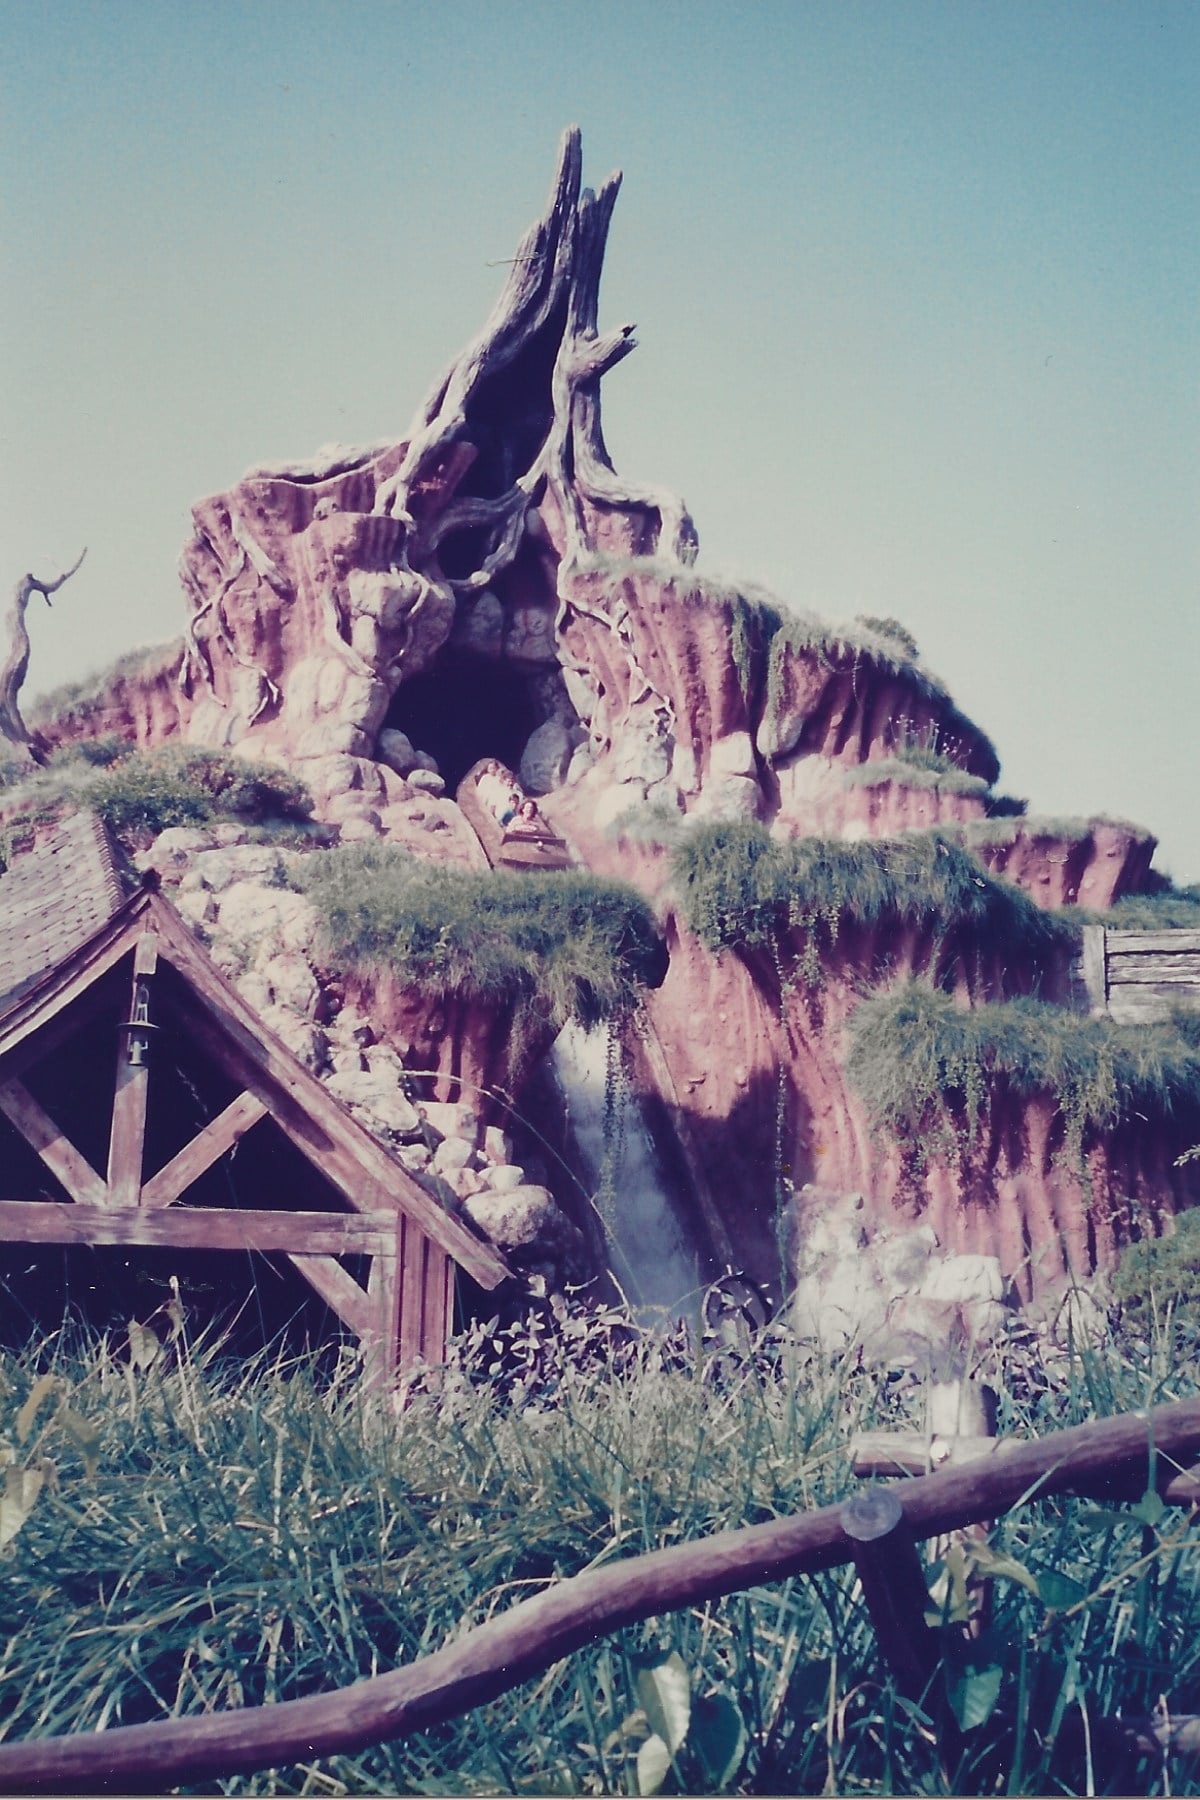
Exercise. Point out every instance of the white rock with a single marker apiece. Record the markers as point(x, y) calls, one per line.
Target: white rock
point(463, 1182)
point(250, 911)
point(496, 1145)
point(964, 1279)
point(502, 1178)
point(426, 781)
point(360, 828)
point(305, 1040)
point(395, 749)
point(903, 1259)
point(732, 755)
point(546, 757)
point(292, 982)
point(453, 1153)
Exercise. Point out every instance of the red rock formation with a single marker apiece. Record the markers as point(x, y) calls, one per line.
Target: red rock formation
point(381, 618)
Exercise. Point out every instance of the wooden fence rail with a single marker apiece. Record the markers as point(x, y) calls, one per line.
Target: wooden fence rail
point(1117, 1458)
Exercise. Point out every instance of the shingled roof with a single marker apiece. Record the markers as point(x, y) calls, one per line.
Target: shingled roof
point(53, 897)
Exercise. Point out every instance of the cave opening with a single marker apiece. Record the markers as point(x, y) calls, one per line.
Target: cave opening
point(465, 707)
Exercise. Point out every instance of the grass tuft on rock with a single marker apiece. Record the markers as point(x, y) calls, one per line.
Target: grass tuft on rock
point(927, 1067)
point(557, 946)
point(140, 793)
point(740, 888)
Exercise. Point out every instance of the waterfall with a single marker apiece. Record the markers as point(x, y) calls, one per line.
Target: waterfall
point(650, 1249)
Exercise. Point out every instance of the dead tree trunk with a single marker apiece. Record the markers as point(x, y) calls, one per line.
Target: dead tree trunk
point(516, 417)
point(22, 747)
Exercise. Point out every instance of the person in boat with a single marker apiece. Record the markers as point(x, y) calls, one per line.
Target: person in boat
point(528, 822)
point(497, 793)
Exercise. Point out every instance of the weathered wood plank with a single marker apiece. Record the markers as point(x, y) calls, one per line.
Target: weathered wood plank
point(1152, 942)
point(339, 1291)
point(1144, 1005)
point(195, 1228)
point(893, 1584)
point(127, 1139)
point(383, 1287)
point(1179, 969)
point(438, 1306)
point(56, 1150)
point(79, 972)
point(218, 1136)
point(1093, 967)
point(413, 1266)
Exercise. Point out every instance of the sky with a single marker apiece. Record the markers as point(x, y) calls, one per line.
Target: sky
point(917, 288)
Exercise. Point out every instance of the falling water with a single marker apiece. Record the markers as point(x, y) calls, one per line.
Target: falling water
point(649, 1246)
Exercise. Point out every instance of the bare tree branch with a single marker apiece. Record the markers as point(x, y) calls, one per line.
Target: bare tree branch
point(16, 664)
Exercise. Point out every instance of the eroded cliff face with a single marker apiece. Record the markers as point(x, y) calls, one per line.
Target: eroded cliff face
point(379, 619)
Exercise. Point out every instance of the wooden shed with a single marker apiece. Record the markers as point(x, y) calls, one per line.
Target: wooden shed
point(148, 1107)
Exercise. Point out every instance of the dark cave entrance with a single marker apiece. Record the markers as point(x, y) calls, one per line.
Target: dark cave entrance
point(465, 707)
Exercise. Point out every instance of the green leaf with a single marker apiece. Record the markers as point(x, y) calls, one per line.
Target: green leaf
point(21, 1489)
point(973, 1694)
point(988, 1562)
point(718, 1736)
point(653, 1765)
point(1059, 1591)
point(84, 1435)
point(144, 1346)
point(43, 1387)
point(665, 1692)
point(1150, 1508)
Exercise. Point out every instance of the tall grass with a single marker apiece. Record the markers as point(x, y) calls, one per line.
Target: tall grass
point(248, 1534)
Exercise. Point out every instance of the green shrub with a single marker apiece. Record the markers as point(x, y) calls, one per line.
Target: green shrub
point(740, 888)
point(927, 1067)
point(181, 785)
point(140, 793)
point(1157, 1273)
point(557, 946)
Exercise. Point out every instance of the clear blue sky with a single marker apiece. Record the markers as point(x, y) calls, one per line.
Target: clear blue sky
point(917, 287)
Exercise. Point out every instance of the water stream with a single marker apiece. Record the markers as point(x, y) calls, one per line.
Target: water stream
point(650, 1249)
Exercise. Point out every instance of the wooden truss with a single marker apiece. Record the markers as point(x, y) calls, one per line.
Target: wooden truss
point(404, 1313)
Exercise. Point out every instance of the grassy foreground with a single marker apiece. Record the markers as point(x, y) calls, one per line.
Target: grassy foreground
point(181, 1535)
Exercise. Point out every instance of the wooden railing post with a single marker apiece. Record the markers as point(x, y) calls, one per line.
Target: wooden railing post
point(893, 1583)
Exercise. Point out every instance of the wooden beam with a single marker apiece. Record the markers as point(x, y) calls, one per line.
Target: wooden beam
point(218, 1136)
point(340, 1291)
point(64, 1161)
point(893, 1584)
point(77, 973)
point(127, 1140)
point(196, 1228)
point(1153, 942)
point(1094, 968)
point(384, 1290)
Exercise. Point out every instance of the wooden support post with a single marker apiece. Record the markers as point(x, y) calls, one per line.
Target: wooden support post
point(383, 1287)
point(893, 1584)
point(128, 1137)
